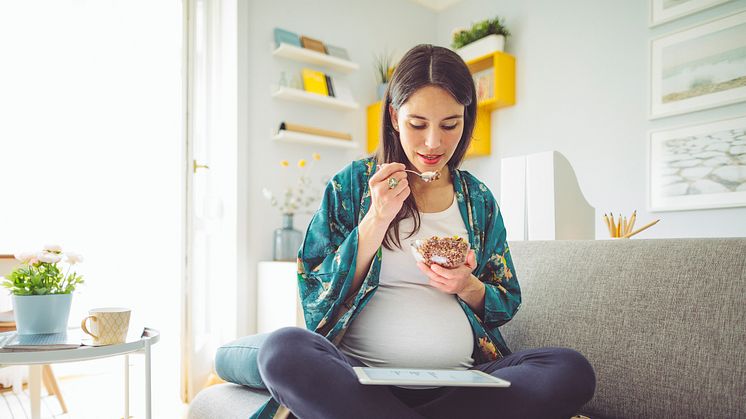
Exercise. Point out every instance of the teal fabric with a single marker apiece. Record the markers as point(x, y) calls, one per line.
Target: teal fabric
point(235, 362)
point(327, 259)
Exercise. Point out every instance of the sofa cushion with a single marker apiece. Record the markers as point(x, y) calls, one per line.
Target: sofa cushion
point(235, 362)
point(226, 401)
point(662, 321)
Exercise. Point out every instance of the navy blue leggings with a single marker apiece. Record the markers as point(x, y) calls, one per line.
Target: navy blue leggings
point(307, 374)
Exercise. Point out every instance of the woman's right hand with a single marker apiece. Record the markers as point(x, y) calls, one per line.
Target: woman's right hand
point(386, 202)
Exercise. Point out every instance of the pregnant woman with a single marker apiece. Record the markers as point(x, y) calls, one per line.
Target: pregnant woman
point(367, 302)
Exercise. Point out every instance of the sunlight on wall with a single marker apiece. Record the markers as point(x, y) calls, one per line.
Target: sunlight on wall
point(90, 154)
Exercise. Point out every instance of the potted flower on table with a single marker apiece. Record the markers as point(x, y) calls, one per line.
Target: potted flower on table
point(42, 290)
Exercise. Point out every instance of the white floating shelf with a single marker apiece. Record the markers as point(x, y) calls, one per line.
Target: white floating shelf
point(299, 137)
point(297, 95)
point(314, 57)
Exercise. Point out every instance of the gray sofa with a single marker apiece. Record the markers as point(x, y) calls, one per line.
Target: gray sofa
point(662, 321)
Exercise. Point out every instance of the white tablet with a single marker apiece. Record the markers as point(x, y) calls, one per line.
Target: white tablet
point(427, 377)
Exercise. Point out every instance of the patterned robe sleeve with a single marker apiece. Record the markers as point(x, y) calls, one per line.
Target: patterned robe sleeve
point(502, 294)
point(327, 258)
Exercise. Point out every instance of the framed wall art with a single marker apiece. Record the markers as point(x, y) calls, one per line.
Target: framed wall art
point(698, 166)
point(662, 11)
point(698, 68)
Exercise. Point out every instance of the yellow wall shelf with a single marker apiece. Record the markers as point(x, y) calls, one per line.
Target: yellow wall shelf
point(503, 95)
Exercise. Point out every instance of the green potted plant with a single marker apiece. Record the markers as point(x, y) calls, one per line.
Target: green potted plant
point(483, 38)
point(384, 68)
point(42, 290)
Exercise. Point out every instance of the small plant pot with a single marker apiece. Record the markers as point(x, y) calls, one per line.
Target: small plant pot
point(381, 91)
point(483, 46)
point(41, 313)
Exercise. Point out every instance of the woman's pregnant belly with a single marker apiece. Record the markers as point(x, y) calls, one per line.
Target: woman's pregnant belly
point(411, 326)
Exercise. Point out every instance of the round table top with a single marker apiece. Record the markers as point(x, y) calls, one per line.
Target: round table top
point(27, 357)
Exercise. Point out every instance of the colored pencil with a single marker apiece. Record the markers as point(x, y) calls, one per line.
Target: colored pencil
point(630, 234)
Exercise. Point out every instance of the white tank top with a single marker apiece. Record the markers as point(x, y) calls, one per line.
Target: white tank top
point(408, 323)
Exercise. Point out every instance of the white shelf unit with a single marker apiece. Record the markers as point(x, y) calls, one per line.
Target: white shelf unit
point(303, 138)
point(314, 57)
point(297, 95)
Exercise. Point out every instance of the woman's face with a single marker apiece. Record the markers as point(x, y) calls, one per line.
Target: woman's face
point(430, 124)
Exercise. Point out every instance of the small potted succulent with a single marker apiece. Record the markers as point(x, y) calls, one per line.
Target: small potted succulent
point(384, 67)
point(42, 290)
point(483, 38)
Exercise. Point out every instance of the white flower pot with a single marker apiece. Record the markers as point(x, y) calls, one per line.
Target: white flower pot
point(483, 46)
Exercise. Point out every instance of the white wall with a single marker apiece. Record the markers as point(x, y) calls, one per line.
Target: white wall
point(582, 89)
point(364, 28)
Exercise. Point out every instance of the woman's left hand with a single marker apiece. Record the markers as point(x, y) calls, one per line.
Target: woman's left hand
point(457, 280)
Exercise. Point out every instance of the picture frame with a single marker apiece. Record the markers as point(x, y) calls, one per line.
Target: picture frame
point(700, 67)
point(662, 11)
point(697, 166)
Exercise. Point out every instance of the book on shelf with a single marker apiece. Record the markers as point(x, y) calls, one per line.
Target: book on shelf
point(312, 44)
point(314, 81)
point(12, 341)
point(283, 36)
point(484, 82)
point(329, 86)
point(285, 126)
point(338, 52)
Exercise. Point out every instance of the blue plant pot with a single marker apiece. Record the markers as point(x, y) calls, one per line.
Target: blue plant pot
point(41, 313)
point(381, 90)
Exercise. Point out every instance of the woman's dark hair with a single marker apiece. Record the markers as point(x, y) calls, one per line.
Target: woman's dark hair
point(424, 65)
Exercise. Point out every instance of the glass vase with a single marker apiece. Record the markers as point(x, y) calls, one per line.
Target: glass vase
point(287, 240)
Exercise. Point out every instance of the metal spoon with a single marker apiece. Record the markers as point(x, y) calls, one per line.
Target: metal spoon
point(425, 176)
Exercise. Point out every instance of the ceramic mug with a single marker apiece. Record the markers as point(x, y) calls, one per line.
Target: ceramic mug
point(109, 325)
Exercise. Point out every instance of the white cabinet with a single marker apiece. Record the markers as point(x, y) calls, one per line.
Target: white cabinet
point(278, 302)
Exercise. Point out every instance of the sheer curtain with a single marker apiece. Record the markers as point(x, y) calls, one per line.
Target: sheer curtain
point(212, 192)
point(92, 157)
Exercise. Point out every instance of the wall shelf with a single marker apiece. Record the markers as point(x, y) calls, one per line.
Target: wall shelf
point(299, 137)
point(314, 57)
point(297, 95)
point(503, 65)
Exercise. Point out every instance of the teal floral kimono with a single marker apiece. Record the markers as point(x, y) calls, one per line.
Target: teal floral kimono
point(327, 260)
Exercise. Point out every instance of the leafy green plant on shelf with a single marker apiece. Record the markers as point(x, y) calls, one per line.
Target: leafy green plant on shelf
point(479, 30)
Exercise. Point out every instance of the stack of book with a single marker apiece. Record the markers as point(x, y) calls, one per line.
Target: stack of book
point(317, 82)
point(12, 341)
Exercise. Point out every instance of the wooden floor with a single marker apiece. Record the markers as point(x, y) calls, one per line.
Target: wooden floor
point(95, 390)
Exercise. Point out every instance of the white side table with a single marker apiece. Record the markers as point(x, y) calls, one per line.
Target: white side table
point(278, 302)
point(35, 360)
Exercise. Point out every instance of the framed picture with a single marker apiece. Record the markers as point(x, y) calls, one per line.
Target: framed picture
point(698, 68)
point(662, 11)
point(698, 166)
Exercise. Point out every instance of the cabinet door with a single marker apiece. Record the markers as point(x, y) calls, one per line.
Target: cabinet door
point(278, 302)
